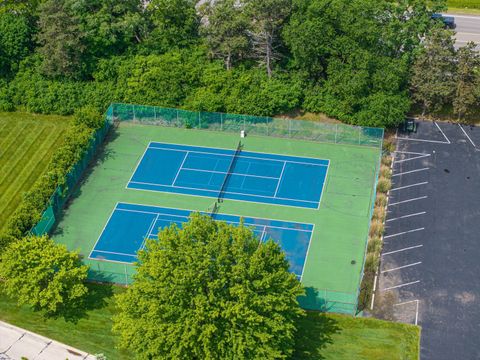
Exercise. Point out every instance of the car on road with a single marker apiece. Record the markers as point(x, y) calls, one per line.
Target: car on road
point(448, 21)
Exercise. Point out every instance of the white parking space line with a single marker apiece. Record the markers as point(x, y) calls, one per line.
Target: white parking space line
point(406, 216)
point(409, 200)
point(401, 285)
point(409, 186)
point(410, 152)
point(403, 233)
point(409, 172)
point(413, 158)
point(416, 308)
point(400, 250)
point(468, 137)
point(401, 267)
point(445, 136)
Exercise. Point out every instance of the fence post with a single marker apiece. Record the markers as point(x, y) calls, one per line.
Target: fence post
point(199, 120)
point(221, 121)
point(289, 128)
point(359, 134)
point(126, 275)
point(336, 131)
point(155, 113)
point(133, 110)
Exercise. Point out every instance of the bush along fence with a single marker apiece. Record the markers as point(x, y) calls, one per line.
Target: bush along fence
point(38, 210)
point(377, 228)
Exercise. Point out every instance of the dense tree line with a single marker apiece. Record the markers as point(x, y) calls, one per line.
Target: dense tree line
point(351, 59)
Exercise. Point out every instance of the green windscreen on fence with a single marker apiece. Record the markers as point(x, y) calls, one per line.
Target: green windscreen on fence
point(255, 125)
point(61, 194)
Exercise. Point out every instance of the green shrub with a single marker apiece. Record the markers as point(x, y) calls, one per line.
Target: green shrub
point(384, 185)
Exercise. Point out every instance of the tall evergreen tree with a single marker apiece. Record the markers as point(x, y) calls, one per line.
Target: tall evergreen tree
point(60, 39)
point(433, 72)
point(225, 29)
point(467, 80)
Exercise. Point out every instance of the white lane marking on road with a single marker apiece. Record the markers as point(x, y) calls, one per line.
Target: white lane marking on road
point(400, 250)
point(401, 267)
point(468, 137)
point(410, 152)
point(406, 216)
point(409, 200)
point(411, 171)
point(409, 186)
point(401, 285)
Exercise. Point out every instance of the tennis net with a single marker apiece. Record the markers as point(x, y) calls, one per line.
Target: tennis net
point(229, 172)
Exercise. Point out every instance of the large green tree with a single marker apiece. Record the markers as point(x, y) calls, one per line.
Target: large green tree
point(15, 41)
point(225, 28)
point(174, 24)
point(209, 291)
point(433, 72)
point(467, 80)
point(44, 275)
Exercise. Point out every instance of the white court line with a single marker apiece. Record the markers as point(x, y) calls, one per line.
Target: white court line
point(409, 200)
point(409, 172)
point(104, 227)
point(234, 173)
point(409, 186)
point(409, 302)
point(403, 233)
point(404, 249)
point(406, 216)
point(401, 285)
point(180, 168)
point(468, 137)
point(401, 267)
point(185, 218)
point(248, 152)
point(207, 190)
point(445, 136)
point(115, 253)
point(243, 156)
point(413, 158)
point(280, 179)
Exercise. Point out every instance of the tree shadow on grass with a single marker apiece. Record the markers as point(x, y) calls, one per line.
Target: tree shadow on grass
point(314, 333)
point(97, 297)
point(315, 330)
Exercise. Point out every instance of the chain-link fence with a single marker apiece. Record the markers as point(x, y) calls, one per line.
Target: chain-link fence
point(254, 125)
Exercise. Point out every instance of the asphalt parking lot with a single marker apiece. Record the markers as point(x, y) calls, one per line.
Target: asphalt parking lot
point(431, 257)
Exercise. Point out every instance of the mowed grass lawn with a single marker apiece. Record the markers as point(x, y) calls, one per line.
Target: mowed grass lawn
point(27, 142)
point(320, 336)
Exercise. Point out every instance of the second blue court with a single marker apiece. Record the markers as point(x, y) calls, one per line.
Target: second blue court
point(244, 176)
point(130, 225)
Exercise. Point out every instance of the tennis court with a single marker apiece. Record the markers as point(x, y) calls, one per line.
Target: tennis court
point(131, 224)
point(231, 174)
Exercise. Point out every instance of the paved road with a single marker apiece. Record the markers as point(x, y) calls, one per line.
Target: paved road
point(468, 29)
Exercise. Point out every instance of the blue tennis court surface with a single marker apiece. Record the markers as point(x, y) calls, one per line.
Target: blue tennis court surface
point(250, 176)
point(131, 224)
